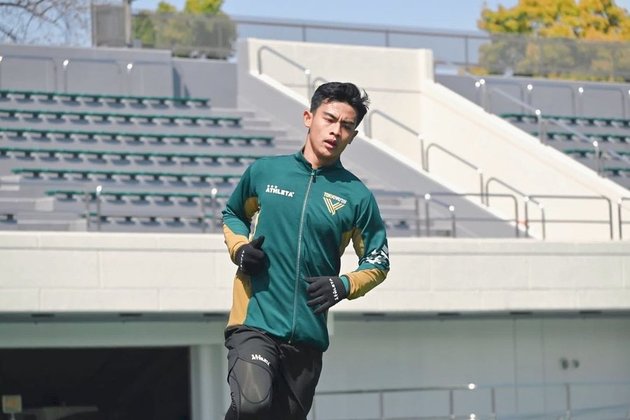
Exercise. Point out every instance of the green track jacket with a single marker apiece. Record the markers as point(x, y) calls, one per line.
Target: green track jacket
point(308, 217)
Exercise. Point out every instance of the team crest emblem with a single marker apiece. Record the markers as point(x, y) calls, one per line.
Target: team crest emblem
point(333, 203)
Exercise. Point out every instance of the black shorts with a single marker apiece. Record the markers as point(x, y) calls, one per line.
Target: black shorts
point(294, 371)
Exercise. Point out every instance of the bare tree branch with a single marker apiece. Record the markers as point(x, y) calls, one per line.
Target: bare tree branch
point(45, 21)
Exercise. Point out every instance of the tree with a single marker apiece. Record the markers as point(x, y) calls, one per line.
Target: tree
point(558, 38)
point(164, 7)
point(202, 30)
point(199, 7)
point(45, 21)
point(586, 19)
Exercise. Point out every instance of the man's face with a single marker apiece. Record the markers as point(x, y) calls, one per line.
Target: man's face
point(331, 129)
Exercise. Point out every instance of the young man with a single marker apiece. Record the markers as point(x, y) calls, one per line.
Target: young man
point(308, 208)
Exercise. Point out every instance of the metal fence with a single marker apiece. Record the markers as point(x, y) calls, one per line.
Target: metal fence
point(555, 58)
point(186, 34)
point(565, 401)
point(213, 37)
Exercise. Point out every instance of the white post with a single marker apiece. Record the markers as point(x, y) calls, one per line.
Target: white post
point(128, 17)
point(208, 386)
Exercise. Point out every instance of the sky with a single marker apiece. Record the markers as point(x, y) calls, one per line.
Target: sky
point(437, 14)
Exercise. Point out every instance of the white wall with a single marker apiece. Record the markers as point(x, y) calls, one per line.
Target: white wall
point(392, 77)
point(87, 70)
point(519, 358)
point(172, 273)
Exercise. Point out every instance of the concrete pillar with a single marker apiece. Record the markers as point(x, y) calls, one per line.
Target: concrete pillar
point(208, 387)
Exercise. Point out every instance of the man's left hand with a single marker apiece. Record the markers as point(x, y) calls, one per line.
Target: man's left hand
point(325, 292)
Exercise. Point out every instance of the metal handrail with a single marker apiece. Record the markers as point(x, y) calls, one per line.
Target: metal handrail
point(542, 120)
point(97, 200)
point(385, 33)
point(416, 200)
point(305, 70)
point(481, 195)
point(459, 158)
point(368, 131)
point(567, 413)
point(381, 395)
point(580, 197)
point(526, 199)
point(212, 197)
point(619, 215)
point(576, 100)
point(428, 199)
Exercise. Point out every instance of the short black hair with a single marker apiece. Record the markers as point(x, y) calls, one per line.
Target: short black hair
point(342, 92)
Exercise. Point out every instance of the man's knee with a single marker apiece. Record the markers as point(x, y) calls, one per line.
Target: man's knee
point(251, 387)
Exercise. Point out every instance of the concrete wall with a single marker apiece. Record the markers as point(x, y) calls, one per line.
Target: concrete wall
point(87, 272)
point(392, 77)
point(120, 71)
point(552, 97)
point(519, 359)
point(213, 79)
point(88, 70)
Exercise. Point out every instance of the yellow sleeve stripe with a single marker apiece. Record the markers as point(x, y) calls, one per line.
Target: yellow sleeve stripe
point(233, 242)
point(345, 240)
point(357, 241)
point(363, 281)
point(251, 207)
point(241, 294)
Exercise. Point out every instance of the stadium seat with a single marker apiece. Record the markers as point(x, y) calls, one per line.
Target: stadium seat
point(14, 113)
point(94, 97)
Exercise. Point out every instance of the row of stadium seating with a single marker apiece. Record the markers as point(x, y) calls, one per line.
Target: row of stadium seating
point(587, 121)
point(116, 117)
point(143, 172)
point(169, 170)
point(38, 95)
point(604, 151)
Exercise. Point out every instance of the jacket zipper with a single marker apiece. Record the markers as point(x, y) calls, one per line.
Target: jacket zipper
point(311, 179)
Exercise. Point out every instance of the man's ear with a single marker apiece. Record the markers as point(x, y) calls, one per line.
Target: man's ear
point(353, 136)
point(308, 118)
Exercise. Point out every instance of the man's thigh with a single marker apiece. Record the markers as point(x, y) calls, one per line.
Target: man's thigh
point(253, 361)
point(300, 371)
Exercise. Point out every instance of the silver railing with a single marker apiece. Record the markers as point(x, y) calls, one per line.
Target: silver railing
point(209, 209)
point(456, 400)
point(380, 394)
point(620, 209)
point(458, 47)
point(496, 53)
point(305, 70)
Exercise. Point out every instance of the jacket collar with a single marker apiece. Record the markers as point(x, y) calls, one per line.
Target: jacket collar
point(299, 156)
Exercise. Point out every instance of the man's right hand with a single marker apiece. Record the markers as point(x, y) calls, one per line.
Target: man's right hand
point(251, 258)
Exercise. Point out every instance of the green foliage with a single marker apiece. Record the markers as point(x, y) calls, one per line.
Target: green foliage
point(200, 31)
point(164, 7)
point(143, 29)
point(585, 39)
point(200, 7)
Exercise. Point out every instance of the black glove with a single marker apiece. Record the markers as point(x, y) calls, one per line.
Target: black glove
point(325, 292)
point(250, 257)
